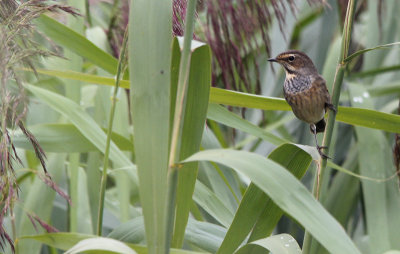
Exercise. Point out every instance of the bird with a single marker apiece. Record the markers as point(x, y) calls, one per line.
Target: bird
point(305, 91)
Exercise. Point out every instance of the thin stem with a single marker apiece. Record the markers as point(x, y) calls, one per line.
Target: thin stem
point(13, 226)
point(337, 85)
point(182, 83)
point(180, 106)
point(121, 64)
point(88, 13)
point(73, 209)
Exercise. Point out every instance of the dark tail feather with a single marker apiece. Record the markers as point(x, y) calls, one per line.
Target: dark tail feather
point(320, 125)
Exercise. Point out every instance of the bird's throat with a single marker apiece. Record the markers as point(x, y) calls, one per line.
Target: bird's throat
point(290, 75)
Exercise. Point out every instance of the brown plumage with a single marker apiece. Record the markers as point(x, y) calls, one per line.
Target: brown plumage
point(305, 91)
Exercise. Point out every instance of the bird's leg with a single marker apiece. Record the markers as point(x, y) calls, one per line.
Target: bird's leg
point(319, 148)
point(331, 107)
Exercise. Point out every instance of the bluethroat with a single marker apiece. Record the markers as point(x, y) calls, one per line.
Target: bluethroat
point(305, 91)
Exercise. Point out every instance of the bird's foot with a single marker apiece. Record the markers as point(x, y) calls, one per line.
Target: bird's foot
point(331, 107)
point(324, 156)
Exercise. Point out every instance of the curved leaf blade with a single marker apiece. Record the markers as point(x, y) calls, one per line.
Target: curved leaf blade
point(381, 200)
point(282, 244)
point(350, 115)
point(222, 115)
point(256, 210)
point(150, 68)
point(239, 99)
point(84, 77)
point(100, 245)
point(288, 193)
point(369, 118)
point(360, 52)
point(85, 124)
point(77, 43)
point(197, 97)
point(64, 241)
point(212, 204)
point(64, 138)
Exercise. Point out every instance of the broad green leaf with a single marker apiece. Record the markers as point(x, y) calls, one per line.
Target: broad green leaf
point(60, 240)
point(192, 132)
point(63, 138)
point(64, 241)
point(212, 204)
point(84, 123)
point(131, 231)
point(186, 180)
point(256, 210)
point(369, 118)
point(84, 77)
point(350, 115)
point(347, 187)
point(100, 245)
point(375, 161)
point(239, 99)
point(224, 116)
point(204, 235)
point(288, 193)
point(150, 69)
point(296, 160)
point(282, 244)
point(220, 179)
point(77, 43)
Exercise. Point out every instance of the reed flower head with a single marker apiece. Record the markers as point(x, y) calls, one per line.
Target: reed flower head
point(17, 50)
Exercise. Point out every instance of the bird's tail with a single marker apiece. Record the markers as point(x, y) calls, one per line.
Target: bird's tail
point(320, 126)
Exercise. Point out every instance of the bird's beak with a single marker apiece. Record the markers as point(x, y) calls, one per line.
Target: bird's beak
point(272, 60)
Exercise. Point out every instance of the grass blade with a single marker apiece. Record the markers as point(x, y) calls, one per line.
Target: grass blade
point(77, 43)
point(288, 193)
point(360, 52)
point(212, 204)
point(150, 65)
point(65, 241)
point(256, 211)
point(64, 138)
point(350, 115)
point(282, 244)
point(224, 116)
point(179, 121)
point(100, 245)
point(85, 124)
point(192, 132)
point(375, 163)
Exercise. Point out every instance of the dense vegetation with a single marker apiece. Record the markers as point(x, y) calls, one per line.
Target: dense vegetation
point(117, 136)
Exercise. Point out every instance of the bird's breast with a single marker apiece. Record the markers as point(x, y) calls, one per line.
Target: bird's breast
point(307, 101)
point(295, 84)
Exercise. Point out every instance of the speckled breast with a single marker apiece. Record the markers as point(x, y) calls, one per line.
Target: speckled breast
point(306, 99)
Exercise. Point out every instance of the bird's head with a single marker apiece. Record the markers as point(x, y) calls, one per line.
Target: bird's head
point(295, 62)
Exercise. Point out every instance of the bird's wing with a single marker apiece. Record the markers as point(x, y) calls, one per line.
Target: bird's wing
point(321, 84)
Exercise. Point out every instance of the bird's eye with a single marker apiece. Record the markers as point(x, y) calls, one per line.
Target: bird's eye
point(291, 58)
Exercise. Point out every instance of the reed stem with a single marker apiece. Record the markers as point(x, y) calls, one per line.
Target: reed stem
point(337, 85)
